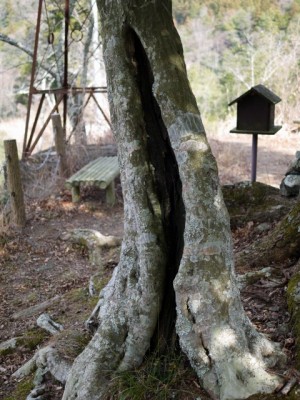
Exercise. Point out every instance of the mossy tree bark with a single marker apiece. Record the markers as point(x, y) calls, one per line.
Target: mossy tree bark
point(281, 244)
point(176, 261)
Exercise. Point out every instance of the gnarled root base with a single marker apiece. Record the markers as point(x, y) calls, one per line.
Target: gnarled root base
point(236, 374)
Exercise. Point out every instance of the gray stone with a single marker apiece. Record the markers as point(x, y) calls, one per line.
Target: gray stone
point(294, 167)
point(265, 226)
point(9, 344)
point(44, 321)
point(290, 185)
point(37, 392)
point(41, 397)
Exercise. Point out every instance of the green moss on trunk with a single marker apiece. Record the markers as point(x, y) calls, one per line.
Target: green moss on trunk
point(293, 299)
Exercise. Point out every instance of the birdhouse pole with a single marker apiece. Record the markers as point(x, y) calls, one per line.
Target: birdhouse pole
point(255, 115)
point(254, 157)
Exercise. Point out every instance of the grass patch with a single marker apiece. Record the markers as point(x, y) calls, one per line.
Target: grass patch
point(28, 342)
point(7, 352)
point(160, 378)
point(33, 338)
point(22, 389)
point(4, 239)
point(80, 303)
point(71, 343)
point(81, 296)
point(80, 300)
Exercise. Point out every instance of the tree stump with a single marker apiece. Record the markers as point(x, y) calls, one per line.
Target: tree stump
point(14, 182)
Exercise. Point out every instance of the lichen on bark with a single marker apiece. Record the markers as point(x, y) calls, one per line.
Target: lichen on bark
point(293, 299)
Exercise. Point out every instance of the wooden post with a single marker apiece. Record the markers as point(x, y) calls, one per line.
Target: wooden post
point(75, 193)
point(14, 182)
point(60, 144)
point(110, 194)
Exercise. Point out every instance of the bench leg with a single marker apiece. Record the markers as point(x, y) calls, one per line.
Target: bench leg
point(75, 194)
point(110, 194)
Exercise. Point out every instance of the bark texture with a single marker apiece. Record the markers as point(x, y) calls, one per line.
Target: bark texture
point(176, 225)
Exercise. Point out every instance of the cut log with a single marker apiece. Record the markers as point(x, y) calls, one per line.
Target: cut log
point(14, 182)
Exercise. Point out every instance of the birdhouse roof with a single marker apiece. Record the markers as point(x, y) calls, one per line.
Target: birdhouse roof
point(262, 91)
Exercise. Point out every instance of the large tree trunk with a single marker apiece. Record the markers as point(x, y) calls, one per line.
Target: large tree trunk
point(176, 225)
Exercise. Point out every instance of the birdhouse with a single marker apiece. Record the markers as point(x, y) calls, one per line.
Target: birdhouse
point(256, 111)
point(255, 115)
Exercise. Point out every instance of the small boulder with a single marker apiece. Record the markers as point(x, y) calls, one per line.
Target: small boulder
point(44, 321)
point(290, 185)
point(9, 344)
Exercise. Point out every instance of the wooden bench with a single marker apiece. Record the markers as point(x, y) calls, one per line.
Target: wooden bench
point(101, 173)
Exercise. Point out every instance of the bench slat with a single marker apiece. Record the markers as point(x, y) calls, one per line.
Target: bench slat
point(100, 172)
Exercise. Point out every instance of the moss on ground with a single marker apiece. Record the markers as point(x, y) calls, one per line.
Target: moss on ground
point(81, 296)
point(28, 342)
point(71, 343)
point(6, 352)
point(22, 389)
point(293, 395)
point(160, 378)
point(256, 201)
point(80, 304)
point(32, 338)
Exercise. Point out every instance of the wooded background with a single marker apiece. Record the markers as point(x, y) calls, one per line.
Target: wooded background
point(230, 45)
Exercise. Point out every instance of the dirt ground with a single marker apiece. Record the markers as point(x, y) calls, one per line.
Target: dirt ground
point(234, 152)
point(40, 272)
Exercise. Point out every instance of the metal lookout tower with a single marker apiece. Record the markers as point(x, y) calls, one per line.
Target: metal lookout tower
point(71, 32)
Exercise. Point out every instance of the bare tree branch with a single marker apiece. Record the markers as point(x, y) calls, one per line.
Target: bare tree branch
point(20, 46)
point(13, 42)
